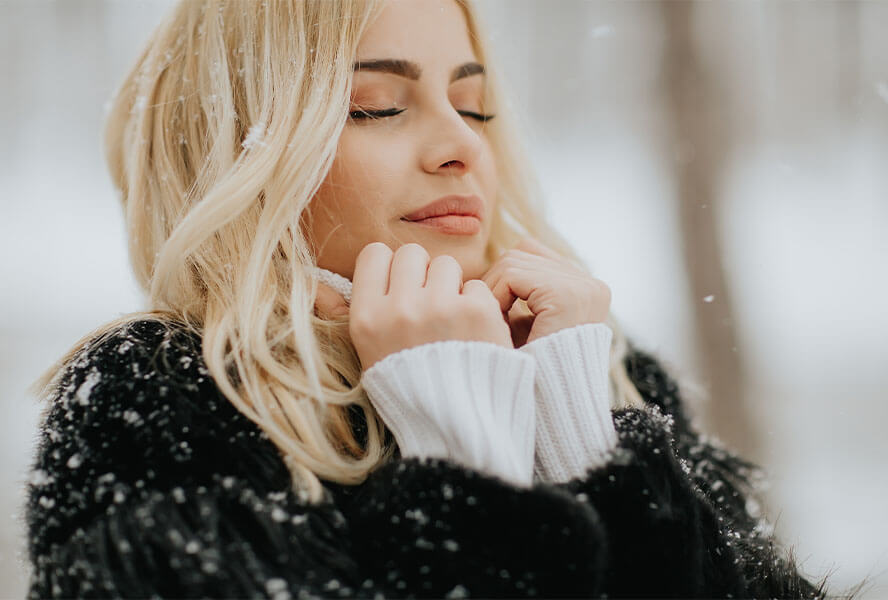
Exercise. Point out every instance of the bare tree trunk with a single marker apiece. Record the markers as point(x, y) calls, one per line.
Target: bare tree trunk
point(702, 135)
point(849, 79)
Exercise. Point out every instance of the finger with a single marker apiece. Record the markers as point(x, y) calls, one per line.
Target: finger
point(476, 288)
point(520, 328)
point(371, 273)
point(512, 257)
point(534, 246)
point(512, 260)
point(502, 295)
point(519, 310)
point(516, 281)
point(445, 276)
point(330, 303)
point(531, 245)
point(408, 271)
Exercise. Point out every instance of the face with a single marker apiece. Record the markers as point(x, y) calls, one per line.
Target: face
point(389, 166)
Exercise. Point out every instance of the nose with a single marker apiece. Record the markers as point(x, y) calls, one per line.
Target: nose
point(452, 146)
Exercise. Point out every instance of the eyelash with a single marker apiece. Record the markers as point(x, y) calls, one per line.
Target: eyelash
point(358, 115)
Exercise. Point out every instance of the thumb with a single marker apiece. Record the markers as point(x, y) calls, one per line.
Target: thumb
point(521, 321)
point(329, 303)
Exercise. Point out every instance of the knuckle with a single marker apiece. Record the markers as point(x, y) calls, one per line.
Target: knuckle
point(403, 313)
point(411, 248)
point(475, 288)
point(438, 310)
point(477, 308)
point(605, 290)
point(446, 259)
point(471, 284)
point(597, 288)
point(376, 247)
point(374, 251)
point(511, 271)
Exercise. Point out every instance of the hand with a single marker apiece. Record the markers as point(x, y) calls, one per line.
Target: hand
point(541, 292)
point(402, 299)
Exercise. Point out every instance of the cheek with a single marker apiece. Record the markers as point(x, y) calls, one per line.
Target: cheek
point(488, 172)
point(363, 173)
point(354, 203)
point(491, 167)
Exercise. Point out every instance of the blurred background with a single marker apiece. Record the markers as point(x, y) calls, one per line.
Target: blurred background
point(723, 166)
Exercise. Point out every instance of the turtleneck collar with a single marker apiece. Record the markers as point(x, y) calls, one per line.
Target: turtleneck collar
point(341, 284)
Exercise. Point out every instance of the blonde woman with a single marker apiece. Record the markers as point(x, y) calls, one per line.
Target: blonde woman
point(369, 368)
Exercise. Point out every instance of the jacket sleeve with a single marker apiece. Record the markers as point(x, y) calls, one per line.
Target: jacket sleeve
point(679, 503)
point(147, 482)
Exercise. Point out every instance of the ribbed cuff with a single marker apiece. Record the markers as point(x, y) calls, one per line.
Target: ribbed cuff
point(574, 427)
point(469, 401)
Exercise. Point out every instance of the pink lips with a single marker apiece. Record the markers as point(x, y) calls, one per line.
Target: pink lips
point(470, 205)
point(456, 214)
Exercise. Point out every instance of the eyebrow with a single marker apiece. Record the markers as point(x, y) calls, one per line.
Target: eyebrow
point(411, 70)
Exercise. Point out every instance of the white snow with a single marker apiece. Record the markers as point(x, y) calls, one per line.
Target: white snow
point(600, 31)
point(882, 90)
point(82, 394)
point(254, 136)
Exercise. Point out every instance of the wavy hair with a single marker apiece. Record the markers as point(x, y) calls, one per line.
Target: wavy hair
point(217, 140)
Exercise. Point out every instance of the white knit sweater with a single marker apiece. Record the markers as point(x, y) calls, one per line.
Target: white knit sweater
point(537, 413)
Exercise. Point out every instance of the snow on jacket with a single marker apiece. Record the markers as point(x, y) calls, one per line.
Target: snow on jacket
point(147, 482)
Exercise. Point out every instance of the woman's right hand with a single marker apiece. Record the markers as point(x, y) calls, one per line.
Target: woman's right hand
point(403, 299)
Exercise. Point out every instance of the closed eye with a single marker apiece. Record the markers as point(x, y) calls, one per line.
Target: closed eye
point(358, 115)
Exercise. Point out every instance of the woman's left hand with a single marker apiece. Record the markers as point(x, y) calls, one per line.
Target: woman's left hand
point(552, 294)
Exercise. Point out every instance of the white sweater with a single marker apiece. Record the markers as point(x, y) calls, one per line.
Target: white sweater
point(537, 413)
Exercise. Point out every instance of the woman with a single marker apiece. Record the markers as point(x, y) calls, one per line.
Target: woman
point(370, 368)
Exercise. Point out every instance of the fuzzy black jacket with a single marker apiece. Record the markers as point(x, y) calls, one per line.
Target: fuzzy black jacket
point(147, 482)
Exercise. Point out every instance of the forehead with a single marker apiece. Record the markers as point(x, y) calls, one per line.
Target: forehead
point(427, 31)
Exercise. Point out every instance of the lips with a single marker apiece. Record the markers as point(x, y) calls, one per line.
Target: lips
point(465, 205)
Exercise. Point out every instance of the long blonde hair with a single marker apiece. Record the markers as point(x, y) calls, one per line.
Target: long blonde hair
point(218, 139)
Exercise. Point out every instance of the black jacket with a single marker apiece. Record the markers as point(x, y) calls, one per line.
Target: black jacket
point(148, 482)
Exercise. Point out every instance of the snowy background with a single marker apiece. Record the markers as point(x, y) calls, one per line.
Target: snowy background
point(780, 109)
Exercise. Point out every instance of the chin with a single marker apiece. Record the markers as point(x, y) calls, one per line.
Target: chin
point(473, 268)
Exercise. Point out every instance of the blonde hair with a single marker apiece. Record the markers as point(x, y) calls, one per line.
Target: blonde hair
point(218, 139)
